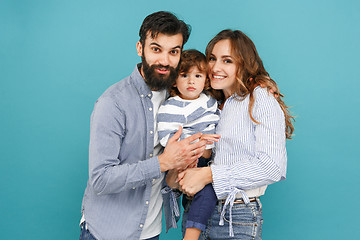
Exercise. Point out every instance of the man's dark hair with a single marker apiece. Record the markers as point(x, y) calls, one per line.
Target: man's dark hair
point(165, 23)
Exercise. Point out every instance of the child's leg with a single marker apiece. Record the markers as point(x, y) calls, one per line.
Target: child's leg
point(201, 208)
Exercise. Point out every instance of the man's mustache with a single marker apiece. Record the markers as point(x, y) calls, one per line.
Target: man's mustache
point(161, 66)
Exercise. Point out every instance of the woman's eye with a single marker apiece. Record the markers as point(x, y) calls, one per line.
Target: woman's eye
point(211, 59)
point(227, 61)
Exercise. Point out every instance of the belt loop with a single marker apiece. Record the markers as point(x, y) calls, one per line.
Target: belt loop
point(259, 202)
point(219, 206)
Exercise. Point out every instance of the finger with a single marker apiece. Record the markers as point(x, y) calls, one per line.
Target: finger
point(192, 138)
point(200, 150)
point(194, 164)
point(180, 176)
point(196, 145)
point(176, 136)
point(211, 135)
point(196, 157)
point(181, 184)
point(214, 139)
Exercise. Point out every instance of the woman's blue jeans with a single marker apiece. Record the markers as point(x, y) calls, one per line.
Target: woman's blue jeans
point(247, 222)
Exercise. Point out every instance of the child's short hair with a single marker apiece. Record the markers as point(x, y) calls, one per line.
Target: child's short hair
point(192, 58)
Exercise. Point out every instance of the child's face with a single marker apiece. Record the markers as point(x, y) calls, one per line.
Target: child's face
point(191, 83)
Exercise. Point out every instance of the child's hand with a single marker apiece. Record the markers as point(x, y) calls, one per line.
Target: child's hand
point(210, 138)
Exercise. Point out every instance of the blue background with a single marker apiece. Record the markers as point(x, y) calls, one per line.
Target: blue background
point(58, 57)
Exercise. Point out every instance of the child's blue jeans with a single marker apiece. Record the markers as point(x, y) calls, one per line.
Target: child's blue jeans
point(202, 206)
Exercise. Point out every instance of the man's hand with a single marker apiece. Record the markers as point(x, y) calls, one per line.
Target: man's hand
point(180, 154)
point(210, 138)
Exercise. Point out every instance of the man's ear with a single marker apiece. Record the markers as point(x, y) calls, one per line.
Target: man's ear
point(139, 48)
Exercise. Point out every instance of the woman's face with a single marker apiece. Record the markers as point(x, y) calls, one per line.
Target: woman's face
point(222, 68)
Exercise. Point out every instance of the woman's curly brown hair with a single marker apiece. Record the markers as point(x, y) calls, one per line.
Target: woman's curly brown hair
point(250, 74)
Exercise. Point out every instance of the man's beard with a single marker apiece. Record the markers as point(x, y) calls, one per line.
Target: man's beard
point(157, 81)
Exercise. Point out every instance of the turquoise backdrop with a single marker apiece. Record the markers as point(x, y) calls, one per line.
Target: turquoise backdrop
point(58, 57)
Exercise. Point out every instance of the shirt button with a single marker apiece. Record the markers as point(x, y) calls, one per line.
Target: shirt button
point(133, 188)
point(151, 132)
point(147, 202)
point(150, 109)
point(141, 225)
point(150, 155)
point(149, 94)
point(142, 95)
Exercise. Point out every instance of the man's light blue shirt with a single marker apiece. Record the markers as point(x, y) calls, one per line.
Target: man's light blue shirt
point(121, 161)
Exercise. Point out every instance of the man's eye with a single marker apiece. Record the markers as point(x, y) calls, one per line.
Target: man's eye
point(155, 49)
point(174, 52)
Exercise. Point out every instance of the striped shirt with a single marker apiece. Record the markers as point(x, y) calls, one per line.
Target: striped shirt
point(199, 115)
point(249, 156)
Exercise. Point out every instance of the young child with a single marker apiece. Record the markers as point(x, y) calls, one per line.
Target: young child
point(195, 111)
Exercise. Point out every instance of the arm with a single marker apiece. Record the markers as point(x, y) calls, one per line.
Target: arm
point(268, 163)
point(107, 173)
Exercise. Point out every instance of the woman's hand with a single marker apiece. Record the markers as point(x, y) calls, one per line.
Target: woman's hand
point(192, 180)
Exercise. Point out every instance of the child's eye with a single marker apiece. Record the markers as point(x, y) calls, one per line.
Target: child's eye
point(183, 75)
point(198, 75)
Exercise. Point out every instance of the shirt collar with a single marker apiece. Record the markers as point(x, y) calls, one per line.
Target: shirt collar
point(139, 82)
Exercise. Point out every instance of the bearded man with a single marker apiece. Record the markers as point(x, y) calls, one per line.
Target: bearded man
point(122, 199)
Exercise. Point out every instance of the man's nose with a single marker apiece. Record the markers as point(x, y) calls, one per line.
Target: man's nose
point(164, 59)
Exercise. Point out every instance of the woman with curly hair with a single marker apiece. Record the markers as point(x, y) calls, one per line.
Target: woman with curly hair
point(251, 154)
